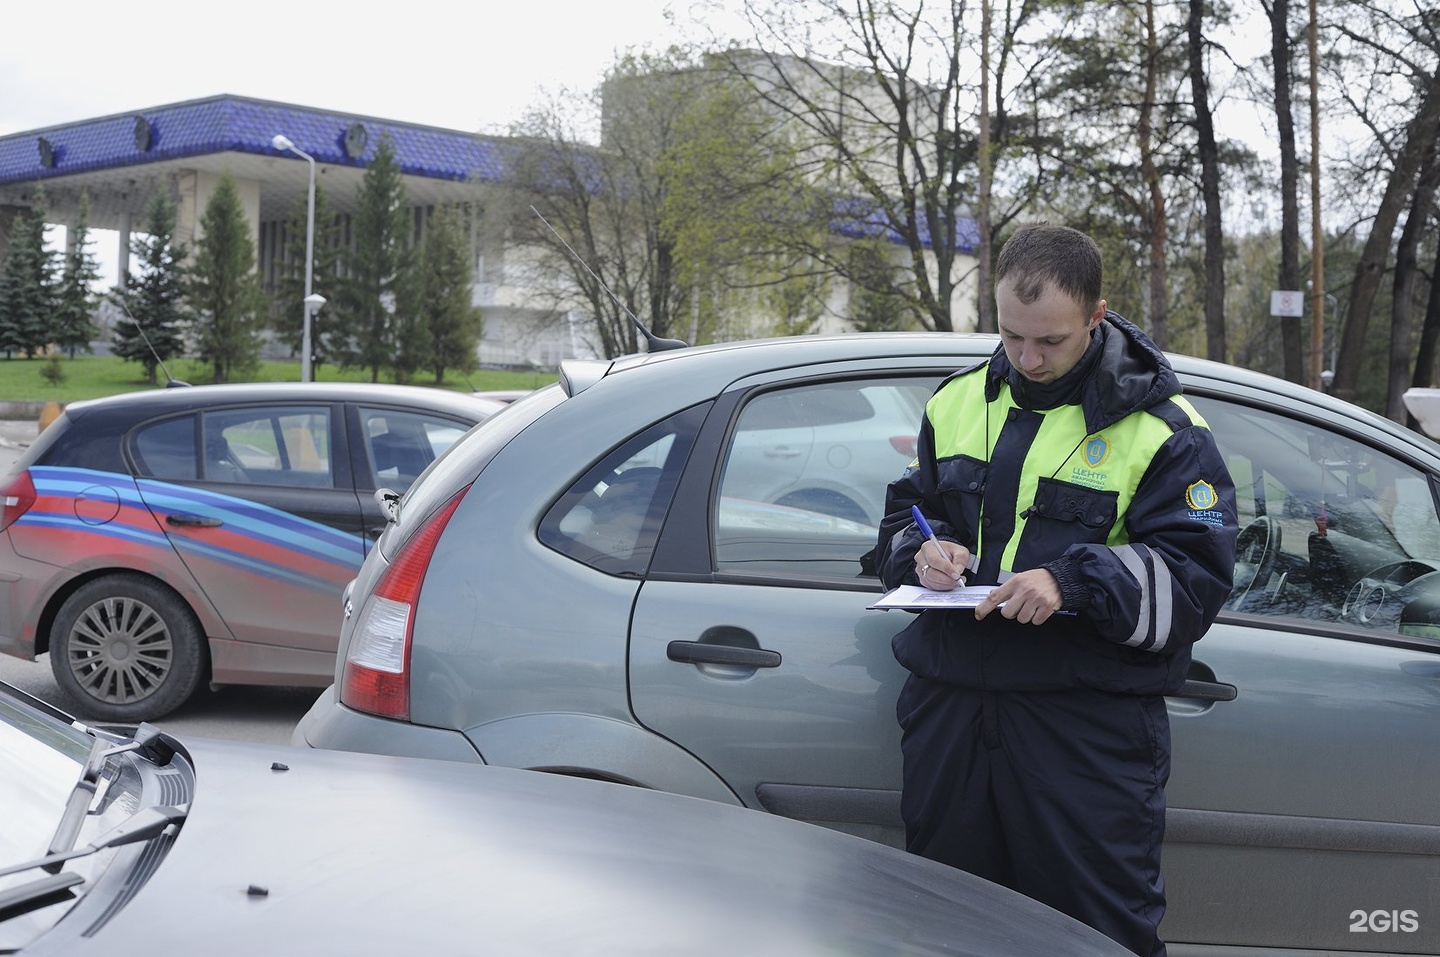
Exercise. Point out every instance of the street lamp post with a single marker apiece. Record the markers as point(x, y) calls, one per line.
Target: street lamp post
point(1334, 333)
point(312, 301)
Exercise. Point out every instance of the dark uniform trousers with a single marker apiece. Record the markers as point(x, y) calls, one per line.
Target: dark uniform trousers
point(1058, 795)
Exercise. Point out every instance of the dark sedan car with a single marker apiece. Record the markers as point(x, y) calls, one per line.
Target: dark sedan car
point(156, 541)
point(116, 844)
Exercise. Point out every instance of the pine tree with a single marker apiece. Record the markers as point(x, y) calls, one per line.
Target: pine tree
point(409, 339)
point(12, 285)
point(154, 296)
point(449, 324)
point(27, 285)
point(376, 265)
point(224, 290)
point(75, 299)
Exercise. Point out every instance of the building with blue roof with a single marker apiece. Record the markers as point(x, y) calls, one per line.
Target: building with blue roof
point(121, 160)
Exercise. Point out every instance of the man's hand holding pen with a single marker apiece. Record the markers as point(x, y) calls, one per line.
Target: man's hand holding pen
point(940, 566)
point(1030, 597)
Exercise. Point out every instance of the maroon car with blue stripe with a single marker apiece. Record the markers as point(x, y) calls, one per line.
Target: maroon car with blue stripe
point(157, 541)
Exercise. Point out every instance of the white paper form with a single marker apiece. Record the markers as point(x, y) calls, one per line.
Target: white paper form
point(915, 598)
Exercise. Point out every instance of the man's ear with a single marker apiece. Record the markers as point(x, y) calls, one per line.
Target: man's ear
point(1097, 315)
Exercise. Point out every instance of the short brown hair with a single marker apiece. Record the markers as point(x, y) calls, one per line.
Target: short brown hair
point(1040, 253)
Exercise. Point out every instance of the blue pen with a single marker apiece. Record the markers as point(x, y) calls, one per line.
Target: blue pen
point(929, 532)
point(924, 526)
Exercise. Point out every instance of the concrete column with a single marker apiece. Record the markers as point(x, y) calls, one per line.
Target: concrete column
point(122, 254)
point(194, 189)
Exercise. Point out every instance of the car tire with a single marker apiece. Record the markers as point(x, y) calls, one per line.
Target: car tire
point(126, 648)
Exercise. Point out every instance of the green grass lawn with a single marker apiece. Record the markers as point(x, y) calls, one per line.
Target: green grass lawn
point(90, 377)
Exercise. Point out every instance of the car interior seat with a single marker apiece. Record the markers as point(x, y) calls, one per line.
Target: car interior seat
point(221, 462)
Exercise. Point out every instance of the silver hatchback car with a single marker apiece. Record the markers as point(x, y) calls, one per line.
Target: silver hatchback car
point(596, 584)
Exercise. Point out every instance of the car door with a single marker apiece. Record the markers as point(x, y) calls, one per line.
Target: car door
point(263, 511)
point(750, 643)
point(1305, 812)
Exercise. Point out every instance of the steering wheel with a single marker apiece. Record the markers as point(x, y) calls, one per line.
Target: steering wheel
point(1379, 597)
point(1255, 549)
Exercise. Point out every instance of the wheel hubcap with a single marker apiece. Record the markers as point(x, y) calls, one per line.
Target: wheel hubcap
point(120, 651)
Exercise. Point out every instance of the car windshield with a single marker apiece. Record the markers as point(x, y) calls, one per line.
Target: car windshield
point(41, 759)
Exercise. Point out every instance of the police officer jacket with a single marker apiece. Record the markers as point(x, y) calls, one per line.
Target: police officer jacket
point(1118, 490)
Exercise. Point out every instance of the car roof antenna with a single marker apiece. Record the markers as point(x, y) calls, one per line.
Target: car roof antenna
point(170, 381)
point(653, 342)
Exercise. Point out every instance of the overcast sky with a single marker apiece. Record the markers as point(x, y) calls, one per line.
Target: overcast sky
point(474, 67)
point(465, 66)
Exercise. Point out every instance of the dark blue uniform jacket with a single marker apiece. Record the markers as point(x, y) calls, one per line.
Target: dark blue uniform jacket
point(1132, 610)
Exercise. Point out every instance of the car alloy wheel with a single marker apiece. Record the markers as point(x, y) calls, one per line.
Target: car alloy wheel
point(126, 647)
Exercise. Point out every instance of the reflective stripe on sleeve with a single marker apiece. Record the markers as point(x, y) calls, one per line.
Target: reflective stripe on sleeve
point(1152, 624)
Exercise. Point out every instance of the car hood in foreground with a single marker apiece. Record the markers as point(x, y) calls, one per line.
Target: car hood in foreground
point(352, 853)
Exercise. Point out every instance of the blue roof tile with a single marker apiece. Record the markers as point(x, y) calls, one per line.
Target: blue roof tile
point(862, 218)
point(232, 123)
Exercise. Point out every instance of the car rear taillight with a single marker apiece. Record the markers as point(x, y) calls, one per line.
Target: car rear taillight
point(904, 444)
point(18, 496)
point(377, 667)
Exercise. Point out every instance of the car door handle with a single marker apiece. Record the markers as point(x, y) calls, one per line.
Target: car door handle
point(192, 521)
point(704, 653)
point(783, 453)
point(1207, 690)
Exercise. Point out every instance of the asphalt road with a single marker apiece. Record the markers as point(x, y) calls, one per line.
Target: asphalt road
point(267, 715)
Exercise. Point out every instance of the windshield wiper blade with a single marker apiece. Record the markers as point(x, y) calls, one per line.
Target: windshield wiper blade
point(47, 890)
point(141, 826)
point(83, 794)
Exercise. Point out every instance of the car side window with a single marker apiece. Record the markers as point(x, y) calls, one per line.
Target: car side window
point(1332, 529)
point(802, 489)
point(166, 449)
point(287, 446)
point(610, 519)
point(401, 445)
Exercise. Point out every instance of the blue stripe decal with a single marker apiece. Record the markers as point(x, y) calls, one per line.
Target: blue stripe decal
point(67, 483)
point(261, 523)
point(255, 566)
point(117, 530)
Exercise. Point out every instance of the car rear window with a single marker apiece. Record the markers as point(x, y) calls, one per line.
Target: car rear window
point(610, 519)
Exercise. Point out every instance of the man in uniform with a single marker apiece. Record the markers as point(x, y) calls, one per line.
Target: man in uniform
point(1068, 471)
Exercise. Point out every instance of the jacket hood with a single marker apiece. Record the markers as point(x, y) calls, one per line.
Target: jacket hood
point(1130, 374)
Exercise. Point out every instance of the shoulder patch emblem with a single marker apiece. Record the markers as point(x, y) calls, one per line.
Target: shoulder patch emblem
point(1201, 496)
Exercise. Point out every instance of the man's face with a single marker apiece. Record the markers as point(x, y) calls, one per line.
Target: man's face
point(1045, 338)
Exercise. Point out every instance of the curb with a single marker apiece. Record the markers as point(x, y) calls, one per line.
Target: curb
point(24, 409)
